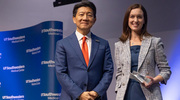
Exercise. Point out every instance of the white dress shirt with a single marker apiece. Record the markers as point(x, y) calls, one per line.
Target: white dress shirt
point(88, 40)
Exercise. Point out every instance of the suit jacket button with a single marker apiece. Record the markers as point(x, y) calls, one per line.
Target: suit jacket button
point(85, 84)
point(148, 62)
point(87, 70)
point(123, 84)
point(122, 74)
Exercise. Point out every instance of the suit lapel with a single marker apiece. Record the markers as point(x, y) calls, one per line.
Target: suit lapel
point(75, 44)
point(94, 48)
point(144, 49)
point(127, 52)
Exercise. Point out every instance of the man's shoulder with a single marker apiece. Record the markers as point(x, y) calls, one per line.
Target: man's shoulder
point(100, 39)
point(65, 41)
point(66, 38)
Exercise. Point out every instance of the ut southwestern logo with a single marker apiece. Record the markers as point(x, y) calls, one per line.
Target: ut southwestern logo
point(19, 68)
point(34, 81)
point(15, 39)
point(51, 96)
point(34, 51)
point(52, 31)
point(50, 63)
point(13, 97)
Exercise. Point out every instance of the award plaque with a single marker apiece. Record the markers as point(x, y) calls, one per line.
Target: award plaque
point(138, 77)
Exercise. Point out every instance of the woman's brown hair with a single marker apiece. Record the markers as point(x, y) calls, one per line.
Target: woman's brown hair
point(126, 29)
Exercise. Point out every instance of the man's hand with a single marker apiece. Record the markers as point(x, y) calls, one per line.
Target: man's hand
point(86, 96)
point(93, 94)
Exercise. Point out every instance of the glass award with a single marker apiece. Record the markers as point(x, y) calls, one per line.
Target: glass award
point(138, 77)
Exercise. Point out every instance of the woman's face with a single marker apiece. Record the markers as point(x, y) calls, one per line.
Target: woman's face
point(136, 20)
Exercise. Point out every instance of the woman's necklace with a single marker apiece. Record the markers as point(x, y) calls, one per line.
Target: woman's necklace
point(135, 39)
point(132, 43)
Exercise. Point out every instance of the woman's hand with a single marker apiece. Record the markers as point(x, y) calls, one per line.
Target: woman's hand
point(147, 85)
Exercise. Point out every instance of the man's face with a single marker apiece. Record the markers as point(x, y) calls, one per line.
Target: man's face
point(84, 19)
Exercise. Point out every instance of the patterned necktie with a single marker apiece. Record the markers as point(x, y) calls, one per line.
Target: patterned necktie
point(85, 51)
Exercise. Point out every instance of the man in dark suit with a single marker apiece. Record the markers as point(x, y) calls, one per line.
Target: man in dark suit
point(84, 65)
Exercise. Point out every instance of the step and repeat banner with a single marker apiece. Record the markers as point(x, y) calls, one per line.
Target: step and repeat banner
point(27, 65)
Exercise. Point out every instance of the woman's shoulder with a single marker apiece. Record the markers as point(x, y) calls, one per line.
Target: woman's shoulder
point(118, 43)
point(156, 42)
point(155, 39)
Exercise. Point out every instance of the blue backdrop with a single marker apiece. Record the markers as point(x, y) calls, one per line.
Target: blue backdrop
point(27, 66)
